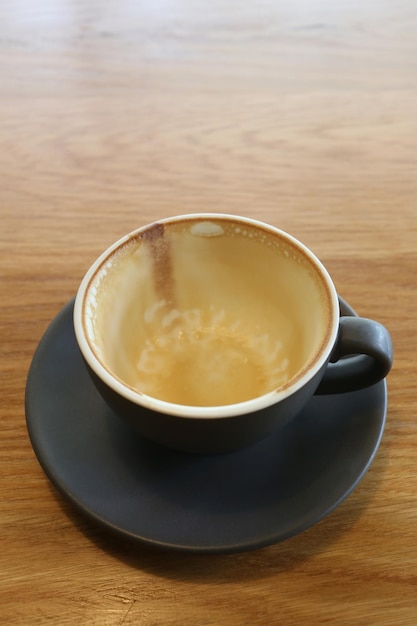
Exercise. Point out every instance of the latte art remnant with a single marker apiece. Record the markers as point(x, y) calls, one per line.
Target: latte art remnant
point(205, 358)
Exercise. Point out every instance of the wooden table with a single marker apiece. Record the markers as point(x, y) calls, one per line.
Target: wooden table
point(301, 114)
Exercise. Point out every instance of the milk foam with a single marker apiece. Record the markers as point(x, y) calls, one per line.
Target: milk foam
point(206, 358)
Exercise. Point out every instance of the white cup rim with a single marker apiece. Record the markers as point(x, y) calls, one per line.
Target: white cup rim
point(213, 412)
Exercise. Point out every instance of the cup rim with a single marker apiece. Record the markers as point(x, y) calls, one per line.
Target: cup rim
point(214, 412)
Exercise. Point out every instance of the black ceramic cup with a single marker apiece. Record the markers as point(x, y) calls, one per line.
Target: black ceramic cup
point(205, 332)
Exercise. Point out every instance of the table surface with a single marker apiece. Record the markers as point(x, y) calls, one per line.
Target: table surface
point(301, 114)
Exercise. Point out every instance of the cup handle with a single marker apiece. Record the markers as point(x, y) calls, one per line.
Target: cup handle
point(362, 356)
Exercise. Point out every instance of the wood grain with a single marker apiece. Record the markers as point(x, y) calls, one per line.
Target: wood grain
point(301, 114)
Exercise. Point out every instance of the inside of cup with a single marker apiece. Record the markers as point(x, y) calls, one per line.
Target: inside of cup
point(207, 313)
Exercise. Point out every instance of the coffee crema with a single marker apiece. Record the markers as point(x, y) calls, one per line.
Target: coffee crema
point(207, 313)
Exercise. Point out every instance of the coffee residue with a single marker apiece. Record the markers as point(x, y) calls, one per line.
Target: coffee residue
point(207, 358)
point(161, 256)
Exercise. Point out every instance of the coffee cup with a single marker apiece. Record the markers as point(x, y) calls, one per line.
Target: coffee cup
point(206, 332)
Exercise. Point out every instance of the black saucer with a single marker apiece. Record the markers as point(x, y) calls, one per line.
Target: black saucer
point(257, 496)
